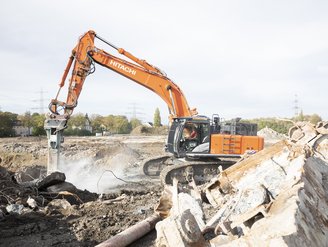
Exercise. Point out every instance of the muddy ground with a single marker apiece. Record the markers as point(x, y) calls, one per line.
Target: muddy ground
point(114, 194)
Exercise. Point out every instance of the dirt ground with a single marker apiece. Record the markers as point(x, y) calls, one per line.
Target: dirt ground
point(103, 206)
point(107, 190)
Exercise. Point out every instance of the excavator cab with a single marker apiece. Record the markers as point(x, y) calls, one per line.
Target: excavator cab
point(186, 134)
point(202, 137)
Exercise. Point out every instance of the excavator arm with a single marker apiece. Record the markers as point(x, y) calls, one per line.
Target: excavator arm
point(83, 58)
point(85, 54)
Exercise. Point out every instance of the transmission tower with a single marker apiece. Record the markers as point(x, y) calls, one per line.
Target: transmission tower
point(134, 112)
point(41, 107)
point(296, 106)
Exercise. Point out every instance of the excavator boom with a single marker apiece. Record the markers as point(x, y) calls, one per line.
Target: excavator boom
point(85, 54)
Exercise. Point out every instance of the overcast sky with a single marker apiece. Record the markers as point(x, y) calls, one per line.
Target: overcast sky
point(234, 58)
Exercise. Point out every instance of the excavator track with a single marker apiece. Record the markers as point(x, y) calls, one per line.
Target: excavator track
point(201, 171)
point(154, 166)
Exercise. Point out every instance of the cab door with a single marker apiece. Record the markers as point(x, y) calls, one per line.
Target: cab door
point(174, 137)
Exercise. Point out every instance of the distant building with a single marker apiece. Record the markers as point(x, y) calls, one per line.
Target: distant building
point(21, 130)
point(87, 124)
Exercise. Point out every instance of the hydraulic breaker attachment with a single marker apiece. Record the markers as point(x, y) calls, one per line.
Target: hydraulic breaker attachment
point(54, 126)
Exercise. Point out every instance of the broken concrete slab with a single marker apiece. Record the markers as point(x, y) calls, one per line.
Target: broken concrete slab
point(63, 186)
point(42, 183)
point(51, 179)
point(311, 217)
point(180, 230)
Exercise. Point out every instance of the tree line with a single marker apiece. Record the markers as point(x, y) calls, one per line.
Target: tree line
point(283, 125)
point(33, 122)
point(112, 124)
point(77, 124)
point(119, 124)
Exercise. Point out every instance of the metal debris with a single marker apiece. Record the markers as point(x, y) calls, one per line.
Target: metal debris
point(131, 234)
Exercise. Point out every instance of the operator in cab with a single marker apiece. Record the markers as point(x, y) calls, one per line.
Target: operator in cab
point(189, 132)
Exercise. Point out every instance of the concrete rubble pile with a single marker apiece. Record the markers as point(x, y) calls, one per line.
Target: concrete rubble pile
point(32, 190)
point(277, 197)
point(270, 136)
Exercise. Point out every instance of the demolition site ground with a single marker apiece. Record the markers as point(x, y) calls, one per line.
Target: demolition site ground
point(275, 197)
point(111, 191)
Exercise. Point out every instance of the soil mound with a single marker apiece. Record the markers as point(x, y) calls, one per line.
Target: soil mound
point(143, 130)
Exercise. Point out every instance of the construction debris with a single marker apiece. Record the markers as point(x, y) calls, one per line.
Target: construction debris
point(183, 226)
point(277, 197)
point(63, 215)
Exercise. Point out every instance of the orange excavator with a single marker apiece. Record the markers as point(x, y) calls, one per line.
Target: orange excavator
point(203, 143)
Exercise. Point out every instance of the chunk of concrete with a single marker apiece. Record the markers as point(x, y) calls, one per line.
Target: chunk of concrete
point(251, 198)
point(63, 186)
point(180, 230)
point(61, 206)
point(51, 179)
point(31, 203)
point(40, 182)
point(29, 174)
point(15, 208)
